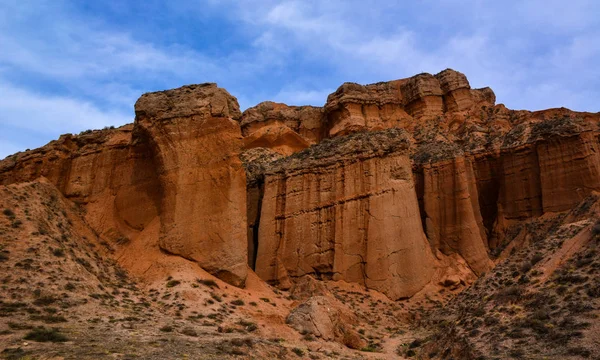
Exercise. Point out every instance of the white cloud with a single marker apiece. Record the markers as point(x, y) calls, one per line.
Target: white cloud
point(52, 115)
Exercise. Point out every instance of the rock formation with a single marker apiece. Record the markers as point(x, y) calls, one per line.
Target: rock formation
point(285, 129)
point(328, 319)
point(345, 210)
point(195, 140)
point(389, 185)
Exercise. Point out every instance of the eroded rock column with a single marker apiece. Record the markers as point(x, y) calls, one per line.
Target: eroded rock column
point(196, 139)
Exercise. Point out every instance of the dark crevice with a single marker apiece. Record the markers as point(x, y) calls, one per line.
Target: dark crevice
point(254, 199)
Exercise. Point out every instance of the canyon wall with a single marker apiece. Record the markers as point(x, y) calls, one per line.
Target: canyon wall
point(338, 192)
point(345, 210)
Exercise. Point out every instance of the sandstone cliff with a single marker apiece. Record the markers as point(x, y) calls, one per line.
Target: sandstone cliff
point(345, 210)
point(195, 140)
point(326, 191)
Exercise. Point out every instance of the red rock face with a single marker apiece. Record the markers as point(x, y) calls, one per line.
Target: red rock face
point(569, 170)
point(114, 180)
point(285, 129)
point(452, 216)
point(203, 185)
point(351, 215)
point(402, 103)
point(336, 192)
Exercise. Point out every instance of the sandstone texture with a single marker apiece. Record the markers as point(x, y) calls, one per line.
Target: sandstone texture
point(195, 140)
point(396, 186)
point(304, 120)
point(345, 210)
point(326, 318)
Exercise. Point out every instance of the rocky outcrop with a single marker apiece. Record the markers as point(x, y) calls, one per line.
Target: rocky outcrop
point(285, 129)
point(276, 137)
point(345, 210)
point(402, 103)
point(451, 214)
point(195, 138)
point(99, 170)
point(328, 319)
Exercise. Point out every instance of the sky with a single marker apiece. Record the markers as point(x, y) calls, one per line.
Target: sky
point(68, 66)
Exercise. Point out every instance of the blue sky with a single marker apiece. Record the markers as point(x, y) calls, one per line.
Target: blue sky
point(67, 66)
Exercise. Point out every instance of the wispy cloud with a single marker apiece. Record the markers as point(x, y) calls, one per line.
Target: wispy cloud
point(28, 111)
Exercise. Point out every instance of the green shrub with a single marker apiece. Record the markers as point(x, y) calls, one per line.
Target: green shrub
point(9, 213)
point(189, 332)
point(173, 283)
point(44, 300)
point(166, 328)
point(208, 282)
point(42, 334)
point(58, 252)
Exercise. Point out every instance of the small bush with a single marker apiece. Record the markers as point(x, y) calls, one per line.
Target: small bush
point(173, 283)
point(238, 302)
point(525, 267)
point(298, 351)
point(166, 328)
point(208, 282)
point(248, 325)
point(69, 287)
point(58, 252)
point(9, 213)
point(44, 300)
point(369, 349)
point(537, 257)
point(415, 344)
point(509, 294)
point(189, 332)
point(42, 334)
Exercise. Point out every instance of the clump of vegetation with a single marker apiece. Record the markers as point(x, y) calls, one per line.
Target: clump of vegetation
point(208, 282)
point(298, 351)
point(189, 332)
point(9, 213)
point(166, 328)
point(58, 252)
point(173, 283)
point(248, 325)
point(42, 334)
point(44, 300)
point(238, 302)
